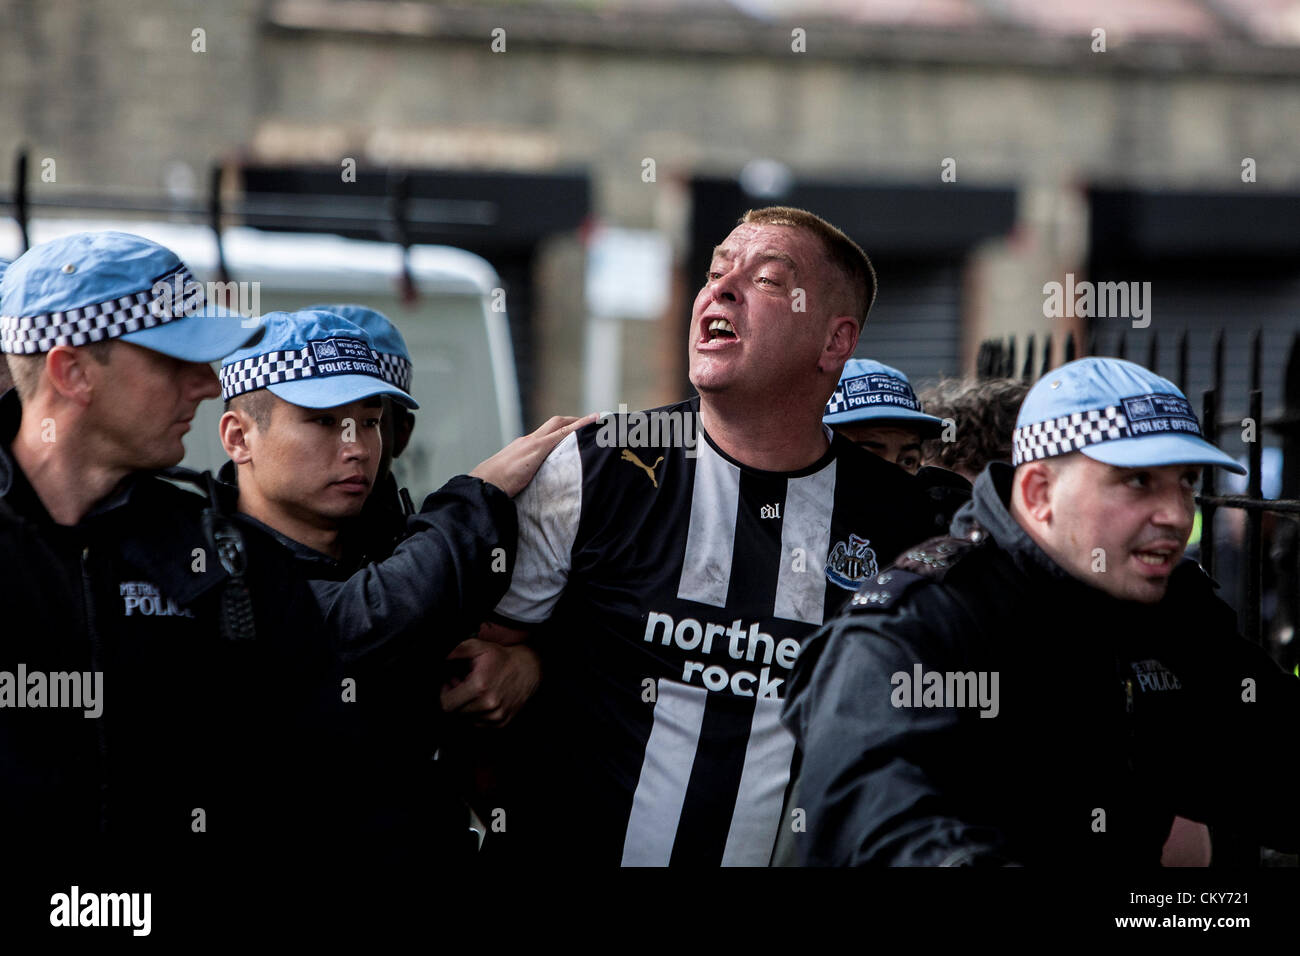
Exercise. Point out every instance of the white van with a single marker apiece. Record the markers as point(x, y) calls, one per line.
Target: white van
point(464, 377)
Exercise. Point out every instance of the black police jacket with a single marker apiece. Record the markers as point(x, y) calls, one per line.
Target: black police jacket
point(399, 607)
point(947, 490)
point(382, 522)
point(244, 741)
point(1107, 717)
point(204, 745)
point(432, 591)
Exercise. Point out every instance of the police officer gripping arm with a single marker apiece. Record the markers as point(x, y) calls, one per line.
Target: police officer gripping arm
point(202, 663)
point(305, 443)
point(304, 439)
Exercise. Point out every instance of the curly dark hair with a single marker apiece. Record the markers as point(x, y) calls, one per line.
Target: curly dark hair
point(984, 412)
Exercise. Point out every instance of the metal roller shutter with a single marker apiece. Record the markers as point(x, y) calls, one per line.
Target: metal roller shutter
point(915, 324)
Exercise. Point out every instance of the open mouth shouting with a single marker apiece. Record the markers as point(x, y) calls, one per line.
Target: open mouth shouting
point(717, 332)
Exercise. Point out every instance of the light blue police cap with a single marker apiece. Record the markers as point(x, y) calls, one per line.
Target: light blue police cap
point(1115, 412)
point(94, 286)
point(313, 359)
point(872, 393)
point(387, 341)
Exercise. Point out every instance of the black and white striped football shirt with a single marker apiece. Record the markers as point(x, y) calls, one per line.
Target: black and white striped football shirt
point(676, 585)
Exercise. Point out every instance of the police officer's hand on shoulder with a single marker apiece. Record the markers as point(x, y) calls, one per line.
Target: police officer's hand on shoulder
point(513, 467)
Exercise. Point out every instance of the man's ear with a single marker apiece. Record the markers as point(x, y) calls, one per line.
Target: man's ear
point(70, 373)
point(841, 340)
point(1035, 480)
point(234, 428)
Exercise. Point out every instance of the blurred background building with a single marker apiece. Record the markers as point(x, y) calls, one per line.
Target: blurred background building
point(594, 150)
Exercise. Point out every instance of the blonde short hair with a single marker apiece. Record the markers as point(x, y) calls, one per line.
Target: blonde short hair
point(845, 254)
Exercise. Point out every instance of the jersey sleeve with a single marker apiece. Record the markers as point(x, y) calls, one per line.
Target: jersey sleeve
point(549, 511)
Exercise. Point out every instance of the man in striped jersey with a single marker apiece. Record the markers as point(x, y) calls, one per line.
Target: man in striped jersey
point(672, 561)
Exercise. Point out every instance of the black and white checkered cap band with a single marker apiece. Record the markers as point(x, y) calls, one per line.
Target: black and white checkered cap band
point(33, 334)
point(318, 359)
point(1060, 436)
point(1142, 416)
point(395, 369)
point(837, 403)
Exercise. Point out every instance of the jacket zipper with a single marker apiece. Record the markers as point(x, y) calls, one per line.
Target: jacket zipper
point(1129, 720)
point(96, 665)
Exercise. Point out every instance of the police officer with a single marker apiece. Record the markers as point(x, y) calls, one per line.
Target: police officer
point(874, 407)
point(306, 448)
point(173, 737)
point(458, 551)
point(382, 522)
point(1053, 682)
point(305, 451)
point(304, 438)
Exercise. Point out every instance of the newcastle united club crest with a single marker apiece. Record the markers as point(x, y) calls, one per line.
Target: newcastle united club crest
point(851, 563)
